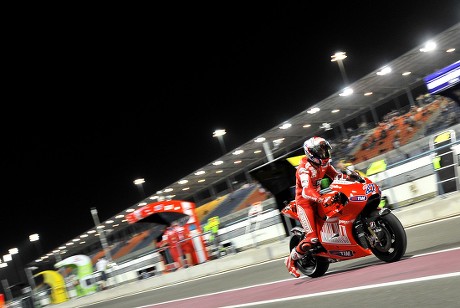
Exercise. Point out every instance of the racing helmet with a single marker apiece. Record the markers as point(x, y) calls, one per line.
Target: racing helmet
point(317, 150)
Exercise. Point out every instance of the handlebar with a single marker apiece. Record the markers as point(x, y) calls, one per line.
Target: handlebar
point(354, 175)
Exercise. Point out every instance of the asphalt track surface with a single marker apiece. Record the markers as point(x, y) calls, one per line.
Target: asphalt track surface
point(427, 276)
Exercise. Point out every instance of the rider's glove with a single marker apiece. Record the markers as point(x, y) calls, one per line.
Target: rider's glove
point(353, 177)
point(329, 199)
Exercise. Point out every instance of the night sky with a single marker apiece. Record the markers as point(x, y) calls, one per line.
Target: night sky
point(98, 100)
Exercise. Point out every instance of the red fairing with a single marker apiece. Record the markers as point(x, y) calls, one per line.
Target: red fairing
point(334, 223)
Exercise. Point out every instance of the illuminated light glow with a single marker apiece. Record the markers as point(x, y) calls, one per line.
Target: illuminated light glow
point(285, 126)
point(368, 93)
point(201, 181)
point(313, 110)
point(217, 163)
point(450, 50)
point(429, 46)
point(34, 237)
point(238, 152)
point(260, 139)
point(219, 171)
point(339, 55)
point(257, 151)
point(306, 125)
point(139, 181)
point(326, 126)
point(384, 71)
point(277, 142)
point(346, 92)
point(219, 132)
point(406, 73)
point(186, 188)
point(237, 162)
point(335, 110)
point(181, 182)
point(200, 172)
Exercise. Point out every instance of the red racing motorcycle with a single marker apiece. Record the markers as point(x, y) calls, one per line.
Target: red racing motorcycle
point(350, 227)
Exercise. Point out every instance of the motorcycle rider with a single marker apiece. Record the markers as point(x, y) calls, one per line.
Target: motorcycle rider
point(311, 170)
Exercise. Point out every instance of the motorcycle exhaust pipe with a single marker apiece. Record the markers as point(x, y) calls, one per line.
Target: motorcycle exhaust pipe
point(361, 235)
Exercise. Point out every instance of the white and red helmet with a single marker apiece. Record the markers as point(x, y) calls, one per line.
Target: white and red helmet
point(317, 150)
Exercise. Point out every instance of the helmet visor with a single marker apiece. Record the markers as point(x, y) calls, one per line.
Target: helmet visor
point(323, 150)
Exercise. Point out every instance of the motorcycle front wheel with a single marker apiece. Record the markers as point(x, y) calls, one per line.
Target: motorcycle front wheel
point(392, 240)
point(309, 265)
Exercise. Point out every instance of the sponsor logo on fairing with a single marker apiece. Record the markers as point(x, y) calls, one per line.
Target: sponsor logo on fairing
point(169, 207)
point(342, 253)
point(342, 182)
point(358, 198)
point(345, 222)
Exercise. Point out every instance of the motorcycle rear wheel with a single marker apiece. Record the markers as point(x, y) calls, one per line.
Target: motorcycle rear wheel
point(310, 265)
point(392, 242)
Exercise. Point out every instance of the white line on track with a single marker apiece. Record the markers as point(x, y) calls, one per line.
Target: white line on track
point(316, 294)
point(379, 285)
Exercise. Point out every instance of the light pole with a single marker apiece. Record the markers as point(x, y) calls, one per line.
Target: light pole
point(30, 279)
point(338, 57)
point(35, 239)
point(408, 91)
point(103, 240)
point(219, 133)
point(139, 183)
point(101, 232)
point(5, 284)
point(11, 252)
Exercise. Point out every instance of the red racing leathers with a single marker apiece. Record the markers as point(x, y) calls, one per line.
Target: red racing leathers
point(307, 197)
point(170, 241)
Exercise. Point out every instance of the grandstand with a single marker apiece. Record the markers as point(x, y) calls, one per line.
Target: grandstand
point(358, 125)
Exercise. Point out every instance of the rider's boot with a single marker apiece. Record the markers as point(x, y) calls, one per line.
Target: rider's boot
point(297, 252)
point(290, 263)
